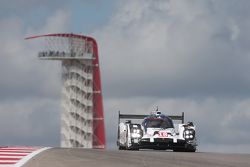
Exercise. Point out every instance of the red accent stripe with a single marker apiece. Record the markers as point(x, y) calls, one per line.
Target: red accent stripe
point(63, 35)
point(10, 159)
point(13, 155)
point(16, 151)
point(7, 163)
point(18, 148)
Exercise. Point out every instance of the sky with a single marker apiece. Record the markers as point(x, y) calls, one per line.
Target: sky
point(182, 56)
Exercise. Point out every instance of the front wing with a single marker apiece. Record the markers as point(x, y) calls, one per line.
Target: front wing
point(165, 144)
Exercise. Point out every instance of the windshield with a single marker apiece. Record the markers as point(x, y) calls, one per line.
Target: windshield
point(158, 123)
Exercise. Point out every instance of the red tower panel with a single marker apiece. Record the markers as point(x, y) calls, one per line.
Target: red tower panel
point(99, 130)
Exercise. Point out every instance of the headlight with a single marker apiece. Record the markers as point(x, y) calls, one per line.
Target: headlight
point(135, 135)
point(189, 134)
point(136, 130)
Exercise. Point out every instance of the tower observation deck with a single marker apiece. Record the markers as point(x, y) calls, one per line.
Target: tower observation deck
point(82, 121)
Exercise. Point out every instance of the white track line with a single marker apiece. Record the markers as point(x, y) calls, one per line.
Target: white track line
point(28, 157)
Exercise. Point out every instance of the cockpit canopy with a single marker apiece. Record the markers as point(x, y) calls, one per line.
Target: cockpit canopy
point(163, 122)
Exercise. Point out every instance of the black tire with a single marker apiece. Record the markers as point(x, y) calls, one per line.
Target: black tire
point(188, 149)
point(135, 148)
point(193, 149)
point(132, 148)
point(160, 148)
point(122, 148)
point(179, 150)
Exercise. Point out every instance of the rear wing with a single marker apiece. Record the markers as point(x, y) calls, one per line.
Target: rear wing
point(137, 116)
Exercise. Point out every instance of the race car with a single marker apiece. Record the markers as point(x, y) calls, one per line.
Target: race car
point(157, 131)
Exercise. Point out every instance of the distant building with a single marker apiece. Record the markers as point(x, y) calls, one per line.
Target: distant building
point(82, 121)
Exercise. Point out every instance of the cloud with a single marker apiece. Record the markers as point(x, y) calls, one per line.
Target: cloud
point(59, 22)
point(186, 48)
point(30, 121)
point(183, 56)
point(26, 7)
point(29, 88)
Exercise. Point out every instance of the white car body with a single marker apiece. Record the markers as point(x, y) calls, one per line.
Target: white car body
point(157, 131)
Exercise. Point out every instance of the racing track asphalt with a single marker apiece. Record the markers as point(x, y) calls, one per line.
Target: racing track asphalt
point(62, 157)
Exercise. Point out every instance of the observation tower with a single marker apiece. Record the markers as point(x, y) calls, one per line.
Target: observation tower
point(82, 121)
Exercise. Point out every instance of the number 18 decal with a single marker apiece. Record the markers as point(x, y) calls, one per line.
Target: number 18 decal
point(163, 134)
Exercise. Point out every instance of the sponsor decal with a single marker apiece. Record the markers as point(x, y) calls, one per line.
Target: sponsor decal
point(163, 134)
